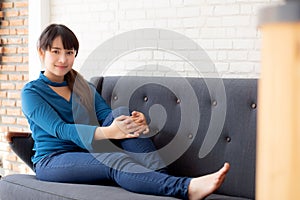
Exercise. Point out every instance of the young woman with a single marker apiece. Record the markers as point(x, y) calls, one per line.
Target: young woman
point(66, 115)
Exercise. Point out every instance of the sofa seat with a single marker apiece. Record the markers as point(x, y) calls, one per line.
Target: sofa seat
point(27, 187)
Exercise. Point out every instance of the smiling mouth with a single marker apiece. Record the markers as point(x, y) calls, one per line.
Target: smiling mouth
point(61, 67)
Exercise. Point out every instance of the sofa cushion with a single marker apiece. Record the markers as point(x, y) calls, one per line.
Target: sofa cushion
point(27, 187)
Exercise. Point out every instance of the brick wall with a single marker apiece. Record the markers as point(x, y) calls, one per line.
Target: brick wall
point(226, 29)
point(13, 76)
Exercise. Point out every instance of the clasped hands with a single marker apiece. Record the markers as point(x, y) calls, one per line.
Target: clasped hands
point(124, 127)
point(132, 126)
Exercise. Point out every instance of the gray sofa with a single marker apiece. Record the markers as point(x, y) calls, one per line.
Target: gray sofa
point(197, 124)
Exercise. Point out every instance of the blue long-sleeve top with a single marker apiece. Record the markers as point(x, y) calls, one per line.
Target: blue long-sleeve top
point(56, 123)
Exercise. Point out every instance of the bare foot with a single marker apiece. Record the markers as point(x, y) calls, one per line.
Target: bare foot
point(202, 186)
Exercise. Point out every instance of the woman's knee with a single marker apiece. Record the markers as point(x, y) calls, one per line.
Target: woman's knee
point(122, 110)
point(116, 113)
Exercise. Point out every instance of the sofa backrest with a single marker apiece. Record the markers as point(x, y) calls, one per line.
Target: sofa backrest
point(197, 124)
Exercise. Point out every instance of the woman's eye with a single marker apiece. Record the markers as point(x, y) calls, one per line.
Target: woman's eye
point(70, 53)
point(55, 51)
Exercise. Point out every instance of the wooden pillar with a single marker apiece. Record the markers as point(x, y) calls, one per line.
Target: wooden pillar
point(278, 139)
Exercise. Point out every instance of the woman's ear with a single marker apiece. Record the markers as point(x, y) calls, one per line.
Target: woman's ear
point(41, 53)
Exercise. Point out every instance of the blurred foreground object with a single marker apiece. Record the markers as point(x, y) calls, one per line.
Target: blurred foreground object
point(278, 139)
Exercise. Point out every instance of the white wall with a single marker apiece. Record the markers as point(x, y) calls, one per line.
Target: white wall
point(225, 29)
point(37, 20)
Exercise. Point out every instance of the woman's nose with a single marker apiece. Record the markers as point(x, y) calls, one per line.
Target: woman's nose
point(62, 58)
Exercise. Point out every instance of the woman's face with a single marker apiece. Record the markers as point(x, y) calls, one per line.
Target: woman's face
point(57, 60)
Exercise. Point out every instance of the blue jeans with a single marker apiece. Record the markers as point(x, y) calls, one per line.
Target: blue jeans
point(130, 169)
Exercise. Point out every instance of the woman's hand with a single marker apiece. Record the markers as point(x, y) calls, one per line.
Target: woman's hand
point(140, 119)
point(123, 127)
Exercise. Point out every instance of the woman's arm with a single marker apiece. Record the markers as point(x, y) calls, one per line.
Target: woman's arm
point(101, 108)
point(40, 113)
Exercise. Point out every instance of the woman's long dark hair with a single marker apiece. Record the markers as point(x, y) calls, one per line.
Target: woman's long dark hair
point(76, 82)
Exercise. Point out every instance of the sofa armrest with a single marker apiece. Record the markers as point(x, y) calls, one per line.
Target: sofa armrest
point(22, 144)
point(16, 134)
